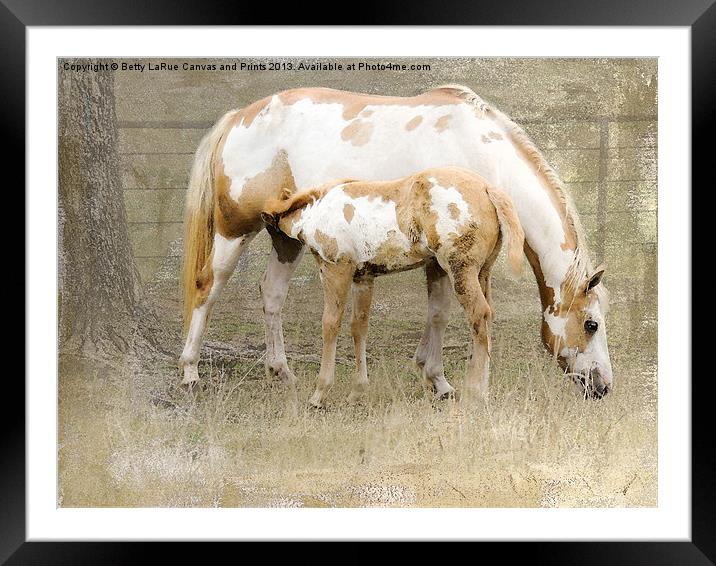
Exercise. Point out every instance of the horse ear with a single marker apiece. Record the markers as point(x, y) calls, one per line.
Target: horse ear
point(595, 279)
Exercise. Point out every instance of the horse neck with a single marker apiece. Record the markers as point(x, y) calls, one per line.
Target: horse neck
point(551, 240)
point(546, 293)
point(552, 265)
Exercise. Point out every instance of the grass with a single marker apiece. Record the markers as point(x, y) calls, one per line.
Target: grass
point(130, 436)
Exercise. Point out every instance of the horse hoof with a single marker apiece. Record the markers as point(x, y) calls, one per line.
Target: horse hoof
point(316, 406)
point(315, 402)
point(192, 389)
point(282, 374)
point(190, 377)
point(451, 394)
point(355, 397)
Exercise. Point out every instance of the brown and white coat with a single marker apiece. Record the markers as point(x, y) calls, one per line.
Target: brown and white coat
point(303, 138)
point(449, 217)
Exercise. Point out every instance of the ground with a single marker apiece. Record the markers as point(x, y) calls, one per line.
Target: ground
point(129, 435)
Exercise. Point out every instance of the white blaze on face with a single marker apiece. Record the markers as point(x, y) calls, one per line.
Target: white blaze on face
point(596, 354)
point(440, 200)
point(557, 324)
point(373, 223)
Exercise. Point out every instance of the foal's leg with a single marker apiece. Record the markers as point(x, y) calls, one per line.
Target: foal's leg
point(225, 255)
point(428, 356)
point(362, 296)
point(336, 279)
point(286, 253)
point(479, 315)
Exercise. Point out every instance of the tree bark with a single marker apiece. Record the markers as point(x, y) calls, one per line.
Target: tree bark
point(102, 308)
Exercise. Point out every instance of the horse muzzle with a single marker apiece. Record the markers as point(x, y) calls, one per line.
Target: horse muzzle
point(592, 384)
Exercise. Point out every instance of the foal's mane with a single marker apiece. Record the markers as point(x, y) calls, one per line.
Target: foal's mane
point(581, 267)
point(291, 202)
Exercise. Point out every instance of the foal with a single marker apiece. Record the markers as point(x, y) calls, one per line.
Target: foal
point(448, 219)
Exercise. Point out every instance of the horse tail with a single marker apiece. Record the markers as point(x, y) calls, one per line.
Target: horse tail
point(199, 214)
point(510, 227)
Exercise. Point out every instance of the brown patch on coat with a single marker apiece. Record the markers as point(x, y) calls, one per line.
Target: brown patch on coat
point(546, 293)
point(390, 191)
point(462, 254)
point(414, 123)
point(204, 282)
point(573, 309)
point(348, 211)
point(329, 245)
point(246, 115)
point(479, 204)
point(441, 124)
point(495, 135)
point(387, 190)
point(426, 219)
point(357, 132)
point(392, 253)
point(287, 249)
point(234, 218)
point(574, 329)
point(354, 103)
point(572, 303)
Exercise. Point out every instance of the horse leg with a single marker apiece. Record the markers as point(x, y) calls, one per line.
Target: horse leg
point(485, 279)
point(286, 253)
point(428, 355)
point(479, 314)
point(362, 296)
point(336, 279)
point(225, 255)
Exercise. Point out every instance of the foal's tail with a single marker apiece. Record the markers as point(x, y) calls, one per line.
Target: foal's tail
point(510, 227)
point(199, 214)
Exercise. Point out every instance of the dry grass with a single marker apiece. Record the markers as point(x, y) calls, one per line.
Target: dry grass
point(129, 436)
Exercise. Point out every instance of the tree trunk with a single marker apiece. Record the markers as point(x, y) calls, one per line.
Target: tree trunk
point(102, 308)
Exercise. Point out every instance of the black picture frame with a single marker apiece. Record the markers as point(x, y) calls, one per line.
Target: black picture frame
point(698, 15)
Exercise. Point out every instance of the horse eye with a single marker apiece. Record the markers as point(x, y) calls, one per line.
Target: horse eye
point(590, 326)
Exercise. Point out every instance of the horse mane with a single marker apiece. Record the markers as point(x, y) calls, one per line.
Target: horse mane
point(581, 266)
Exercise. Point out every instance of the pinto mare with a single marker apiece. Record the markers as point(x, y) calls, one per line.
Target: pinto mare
point(306, 137)
point(448, 217)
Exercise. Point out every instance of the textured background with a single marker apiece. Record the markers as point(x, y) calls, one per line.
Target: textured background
point(130, 436)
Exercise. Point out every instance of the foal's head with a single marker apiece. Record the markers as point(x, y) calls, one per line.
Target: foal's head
point(576, 333)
